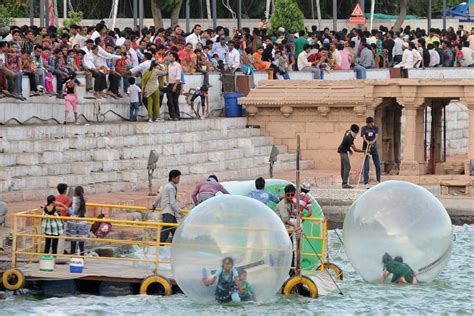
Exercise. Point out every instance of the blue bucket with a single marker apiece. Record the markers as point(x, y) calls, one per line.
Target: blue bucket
point(232, 108)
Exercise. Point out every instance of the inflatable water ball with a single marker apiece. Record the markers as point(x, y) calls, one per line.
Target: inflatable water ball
point(235, 227)
point(401, 219)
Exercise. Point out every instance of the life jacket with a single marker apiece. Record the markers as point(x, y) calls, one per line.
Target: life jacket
point(225, 288)
point(305, 200)
point(102, 230)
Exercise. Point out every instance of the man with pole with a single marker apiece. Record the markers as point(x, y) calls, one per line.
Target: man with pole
point(369, 133)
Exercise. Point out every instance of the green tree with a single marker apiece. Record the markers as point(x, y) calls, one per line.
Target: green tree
point(5, 17)
point(287, 14)
point(74, 17)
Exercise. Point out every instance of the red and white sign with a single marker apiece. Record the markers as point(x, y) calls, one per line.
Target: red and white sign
point(357, 16)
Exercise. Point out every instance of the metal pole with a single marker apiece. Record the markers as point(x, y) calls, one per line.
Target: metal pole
point(32, 12)
point(214, 13)
point(318, 10)
point(444, 14)
point(188, 13)
point(334, 15)
point(140, 14)
point(239, 14)
point(46, 13)
point(372, 11)
point(429, 15)
point(41, 13)
point(64, 9)
point(362, 5)
point(135, 11)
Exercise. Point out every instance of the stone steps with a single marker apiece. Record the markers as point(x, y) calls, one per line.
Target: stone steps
point(79, 142)
point(113, 157)
point(42, 132)
point(136, 160)
point(158, 180)
point(139, 151)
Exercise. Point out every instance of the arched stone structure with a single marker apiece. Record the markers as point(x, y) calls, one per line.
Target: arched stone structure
point(320, 112)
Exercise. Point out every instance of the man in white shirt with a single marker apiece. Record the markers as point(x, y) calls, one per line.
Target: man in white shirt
point(407, 58)
point(100, 31)
point(466, 55)
point(233, 57)
point(195, 37)
point(132, 54)
point(434, 56)
point(397, 50)
point(90, 64)
point(305, 66)
point(77, 38)
point(141, 68)
point(470, 39)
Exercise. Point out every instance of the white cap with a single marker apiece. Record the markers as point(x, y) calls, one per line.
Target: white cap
point(281, 29)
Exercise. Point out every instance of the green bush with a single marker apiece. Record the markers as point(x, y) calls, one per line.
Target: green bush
point(5, 17)
point(74, 17)
point(287, 14)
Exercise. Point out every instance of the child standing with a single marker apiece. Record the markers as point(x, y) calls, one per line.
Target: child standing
point(133, 92)
point(70, 98)
point(52, 226)
point(281, 61)
point(78, 228)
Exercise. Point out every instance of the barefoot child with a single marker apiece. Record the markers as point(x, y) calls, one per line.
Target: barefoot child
point(70, 98)
point(201, 92)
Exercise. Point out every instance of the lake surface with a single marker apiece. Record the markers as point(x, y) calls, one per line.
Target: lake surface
point(451, 293)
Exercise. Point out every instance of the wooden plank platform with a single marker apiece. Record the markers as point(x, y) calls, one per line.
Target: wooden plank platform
point(97, 270)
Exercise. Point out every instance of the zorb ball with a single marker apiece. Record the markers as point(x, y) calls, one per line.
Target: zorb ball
point(401, 219)
point(232, 226)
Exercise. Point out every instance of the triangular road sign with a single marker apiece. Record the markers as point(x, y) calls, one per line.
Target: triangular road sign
point(357, 11)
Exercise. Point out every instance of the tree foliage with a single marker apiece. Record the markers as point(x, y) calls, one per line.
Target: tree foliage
point(287, 14)
point(5, 17)
point(74, 17)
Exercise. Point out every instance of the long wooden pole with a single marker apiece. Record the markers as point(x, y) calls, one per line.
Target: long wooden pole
point(298, 219)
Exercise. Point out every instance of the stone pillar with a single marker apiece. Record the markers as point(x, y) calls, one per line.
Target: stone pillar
point(413, 162)
point(397, 134)
point(436, 135)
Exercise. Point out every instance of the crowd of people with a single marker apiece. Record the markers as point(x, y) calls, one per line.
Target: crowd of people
point(156, 59)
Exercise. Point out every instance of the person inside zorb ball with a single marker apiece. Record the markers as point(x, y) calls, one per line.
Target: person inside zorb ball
point(398, 229)
point(231, 249)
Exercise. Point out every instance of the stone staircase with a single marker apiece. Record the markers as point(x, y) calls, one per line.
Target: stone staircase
point(113, 157)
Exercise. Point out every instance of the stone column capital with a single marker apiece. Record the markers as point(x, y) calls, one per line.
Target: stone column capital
point(286, 110)
point(468, 102)
point(411, 103)
point(374, 103)
point(252, 110)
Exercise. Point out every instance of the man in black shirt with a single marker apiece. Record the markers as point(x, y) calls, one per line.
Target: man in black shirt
point(347, 146)
point(369, 133)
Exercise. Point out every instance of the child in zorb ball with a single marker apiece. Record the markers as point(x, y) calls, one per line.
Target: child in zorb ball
point(246, 292)
point(228, 284)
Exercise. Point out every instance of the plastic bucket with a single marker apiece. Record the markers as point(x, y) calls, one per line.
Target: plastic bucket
point(76, 265)
point(46, 264)
point(232, 108)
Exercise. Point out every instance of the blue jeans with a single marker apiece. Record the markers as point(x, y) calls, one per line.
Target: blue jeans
point(20, 81)
point(134, 107)
point(376, 159)
point(360, 72)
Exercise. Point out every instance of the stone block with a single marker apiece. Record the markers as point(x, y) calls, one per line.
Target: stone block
point(27, 159)
point(106, 155)
point(50, 157)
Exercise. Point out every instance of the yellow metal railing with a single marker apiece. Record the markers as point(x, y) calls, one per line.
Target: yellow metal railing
point(32, 235)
